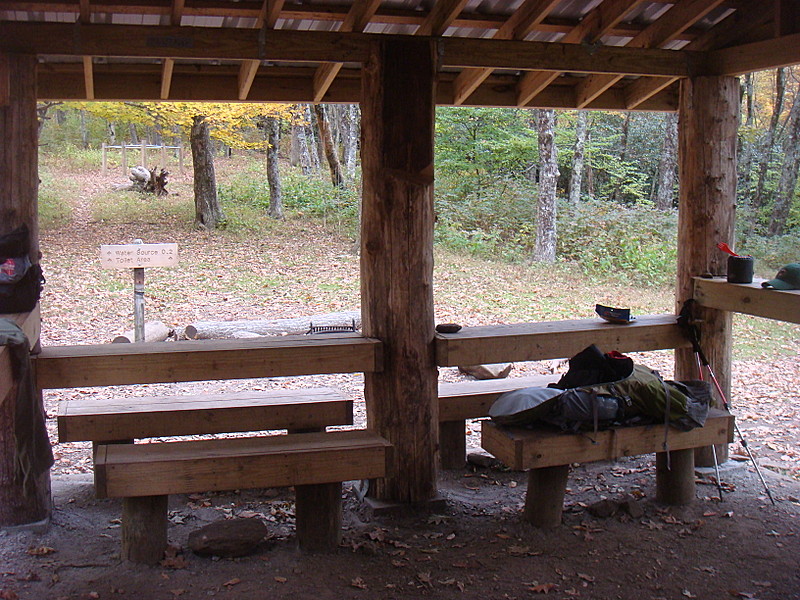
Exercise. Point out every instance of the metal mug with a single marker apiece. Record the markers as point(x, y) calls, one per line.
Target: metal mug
point(740, 269)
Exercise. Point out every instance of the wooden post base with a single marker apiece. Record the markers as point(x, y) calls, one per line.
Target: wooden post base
point(144, 529)
point(318, 514)
point(452, 444)
point(544, 499)
point(675, 485)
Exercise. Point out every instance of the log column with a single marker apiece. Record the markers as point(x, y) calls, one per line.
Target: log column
point(19, 180)
point(708, 121)
point(397, 109)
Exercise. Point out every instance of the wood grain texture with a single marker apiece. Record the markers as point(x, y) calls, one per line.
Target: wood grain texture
point(523, 449)
point(121, 364)
point(101, 420)
point(555, 339)
point(125, 470)
point(472, 399)
point(748, 299)
point(397, 259)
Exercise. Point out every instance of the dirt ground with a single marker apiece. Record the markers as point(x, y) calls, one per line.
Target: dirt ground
point(474, 546)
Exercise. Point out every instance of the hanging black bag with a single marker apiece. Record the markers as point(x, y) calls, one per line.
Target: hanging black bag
point(20, 281)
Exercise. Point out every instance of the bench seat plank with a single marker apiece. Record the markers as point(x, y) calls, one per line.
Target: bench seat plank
point(128, 470)
point(100, 420)
point(472, 399)
point(522, 449)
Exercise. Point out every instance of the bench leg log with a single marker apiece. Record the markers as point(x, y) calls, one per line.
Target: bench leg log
point(318, 516)
point(675, 485)
point(544, 500)
point(452, 444)
point(144, 529)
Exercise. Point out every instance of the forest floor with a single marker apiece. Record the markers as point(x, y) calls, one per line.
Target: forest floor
point(477, 546)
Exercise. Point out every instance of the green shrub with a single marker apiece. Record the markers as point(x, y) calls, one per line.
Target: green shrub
point(54, 208)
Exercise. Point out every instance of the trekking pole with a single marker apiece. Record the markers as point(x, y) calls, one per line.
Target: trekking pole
point(713, 447)
point(685, 320)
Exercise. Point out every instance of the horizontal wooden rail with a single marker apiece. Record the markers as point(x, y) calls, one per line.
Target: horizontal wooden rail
point(748, 299)
point(160, 362)
point(555, 339)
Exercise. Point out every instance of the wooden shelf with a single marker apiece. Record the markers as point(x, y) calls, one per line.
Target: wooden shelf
point(555, 339)
point(748, 299)
point(168, 362)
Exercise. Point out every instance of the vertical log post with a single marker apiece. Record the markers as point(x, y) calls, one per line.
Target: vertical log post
point(544, 499)
point(452, 444)
point(144, 529)
point(708, 121)
point(398, 91)
point(675, 477)
point(318, 512)
point(19, 181)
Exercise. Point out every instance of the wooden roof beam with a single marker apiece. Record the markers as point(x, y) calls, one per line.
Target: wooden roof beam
point(88, 77)
point(84, 12)
point(176, 12)
point(769, 54)
point(595, 25)
point(358, 17)
point(267, 17)
point(526, 17)
point(441, 16)
point(728, 31)
point(167, 69)
point(677, 19)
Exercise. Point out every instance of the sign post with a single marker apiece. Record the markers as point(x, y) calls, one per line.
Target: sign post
point(137, 256)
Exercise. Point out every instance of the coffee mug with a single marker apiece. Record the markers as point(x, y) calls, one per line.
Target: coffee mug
point(740, 269)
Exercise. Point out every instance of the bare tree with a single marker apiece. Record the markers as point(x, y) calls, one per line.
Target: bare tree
point(623, 155)
point(330, 149)
point(273, 130)
point(208, 212)
point(545, 249)
point(770, 137)
point(789, 170)
point(576, 176)
point(665, 190)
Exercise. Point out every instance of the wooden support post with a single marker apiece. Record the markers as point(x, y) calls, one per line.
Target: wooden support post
point(544, 500)
point(144, 154)
point(675, 477)
point(104, 169)
point(124, 159)
point(708, 119)
point(398, 92)
point(163, 156)
point(19, 182)
point(318, 514)
point(452, 444)
point(144, 529)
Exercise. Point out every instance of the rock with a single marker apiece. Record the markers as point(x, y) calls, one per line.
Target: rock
point(228, 538)
point(482, 460)
point(631, 507)
point(494, 371)
point(603, 509)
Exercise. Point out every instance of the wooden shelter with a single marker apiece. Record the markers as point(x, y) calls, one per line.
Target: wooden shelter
point(400, 59)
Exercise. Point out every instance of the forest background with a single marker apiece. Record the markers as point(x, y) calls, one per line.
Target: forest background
point(596, 190)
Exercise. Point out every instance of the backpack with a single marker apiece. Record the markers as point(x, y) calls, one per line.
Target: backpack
point(20, 281)
point(637, 396)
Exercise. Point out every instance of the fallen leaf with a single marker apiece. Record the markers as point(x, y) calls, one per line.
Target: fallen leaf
point(358, 583)
point(177, 593)
point(542, 588)
point(40, 550)
point(280, 579)
point(232, 582)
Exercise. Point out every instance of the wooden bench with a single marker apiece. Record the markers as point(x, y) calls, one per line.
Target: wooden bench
point(472, 400)
point(547, 453)
point(128, 418)
point(143, 475)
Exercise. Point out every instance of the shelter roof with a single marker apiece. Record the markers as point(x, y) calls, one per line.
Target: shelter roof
point(609, 54)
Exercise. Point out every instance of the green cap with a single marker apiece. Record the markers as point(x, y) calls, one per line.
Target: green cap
point(788, 278)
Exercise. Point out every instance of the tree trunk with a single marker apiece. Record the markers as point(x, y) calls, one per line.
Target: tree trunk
point(273, 172)
point(784, 195)
point(352, 120)
point(746, 143)
point(208, 213)
point(708, 111)
point(576, 177)
point(590, 189)
point(294, 148)
point(769, 139)
point(665, 192)
point(19, 181)
point(623, 154)
point(331, 153)
point(398, 104)
point(545, 250)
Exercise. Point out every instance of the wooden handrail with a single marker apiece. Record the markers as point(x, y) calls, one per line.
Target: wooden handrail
point(159, 362)
point(555, 339)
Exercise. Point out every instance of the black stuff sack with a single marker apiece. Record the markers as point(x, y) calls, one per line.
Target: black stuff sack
point(20, 281)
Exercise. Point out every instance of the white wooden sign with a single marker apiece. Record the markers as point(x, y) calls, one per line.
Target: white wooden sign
point(134, 256)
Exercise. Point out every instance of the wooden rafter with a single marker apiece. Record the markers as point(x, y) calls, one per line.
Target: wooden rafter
point(443, 13)
point(267, 17)
point(176, 12)
point(84, 11)
point(678, 18)
point(88, 77)
point(167, 68)
point(356, 20)
point(777, 52)
point(723, 34)
point(520, 24)
point(595, 25)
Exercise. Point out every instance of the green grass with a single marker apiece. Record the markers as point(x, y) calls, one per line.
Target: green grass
point(55, 194)
point(131, 207)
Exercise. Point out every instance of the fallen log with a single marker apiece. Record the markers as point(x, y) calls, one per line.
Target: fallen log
point(215, 330)
point(154, 331)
